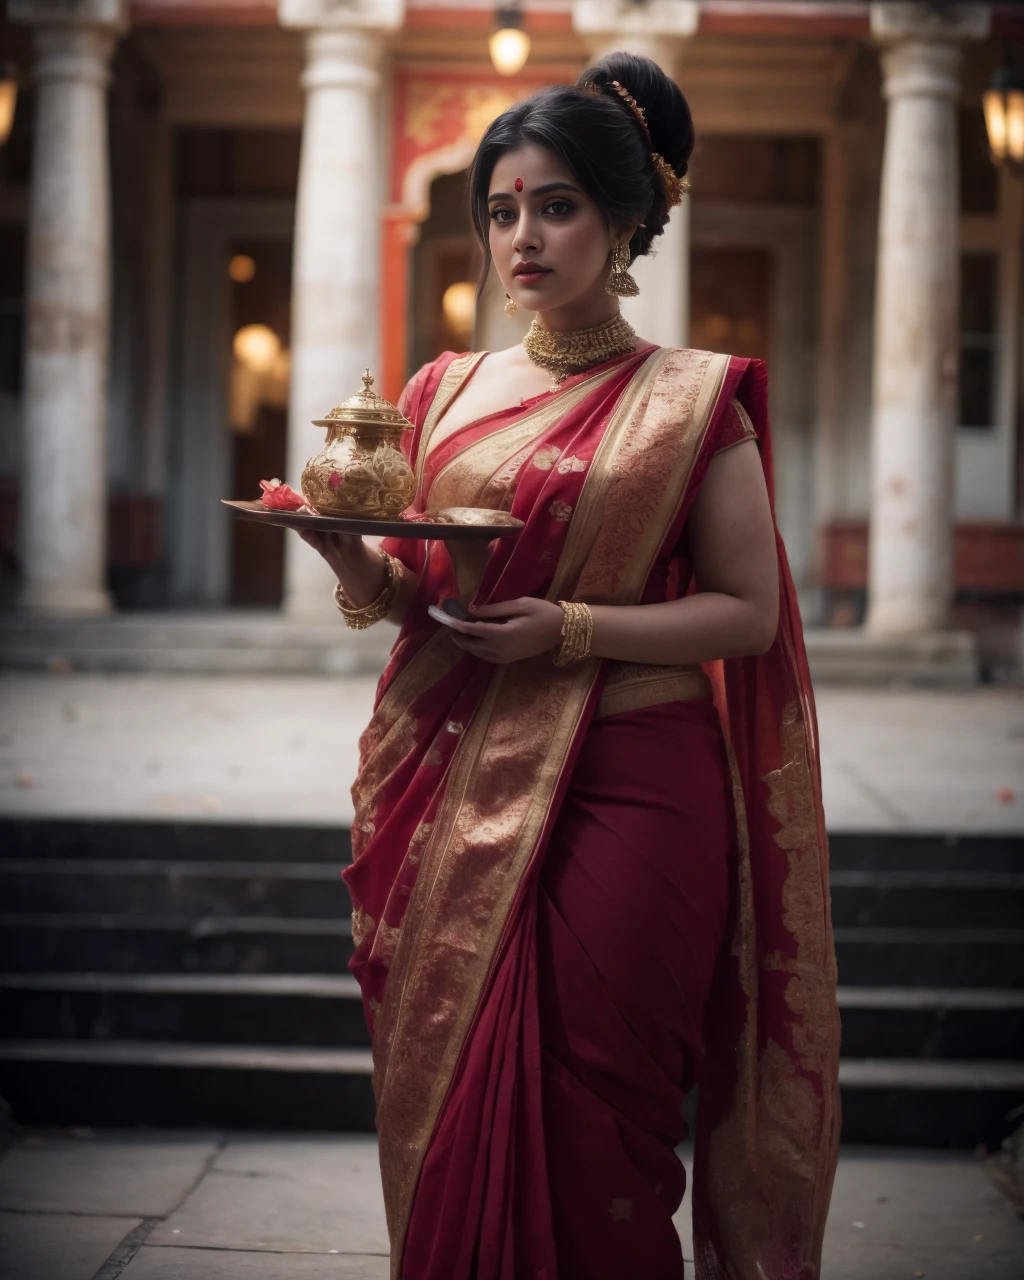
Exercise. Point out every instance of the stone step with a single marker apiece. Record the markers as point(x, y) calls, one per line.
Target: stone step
point(150, 886)
point(40, 837)
point(931, 1023)
point(867, 956)
point(947, 957)
point(63, 838)
point(313, 1010)
point(174, 943)
point(222, 886)
point(125, 1083)
point(920, 1103)
point(980, 899)
point(325, 1010)
point(234, 642)
point(862, 851)
point(936, 660)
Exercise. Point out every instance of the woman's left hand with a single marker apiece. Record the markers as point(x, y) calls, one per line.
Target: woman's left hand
point(528, 627)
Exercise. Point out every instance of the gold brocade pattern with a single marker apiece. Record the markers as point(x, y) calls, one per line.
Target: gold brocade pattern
point(631, 686)
point(419, 836)
point(391, 734)
point(646, 486)
point(452, 381)
point(501, 781)
point(363, 924)
point(797, 1124)
point(496, 803)
point(385, 944)
point(484, 473)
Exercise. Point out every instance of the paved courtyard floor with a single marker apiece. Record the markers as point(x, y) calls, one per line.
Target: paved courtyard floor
point(208, 1206)
point(283, 748)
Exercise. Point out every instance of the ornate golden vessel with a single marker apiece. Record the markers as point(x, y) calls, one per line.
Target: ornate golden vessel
point(361, 470)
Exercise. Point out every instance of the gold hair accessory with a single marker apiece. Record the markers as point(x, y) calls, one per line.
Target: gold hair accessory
point(574, 350)
point(510, 305)
point(620, 284)
point(674, 186)
point(360, 619)
point(577, 633)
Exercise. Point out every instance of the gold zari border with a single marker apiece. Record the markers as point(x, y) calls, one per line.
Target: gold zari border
point(638, 692)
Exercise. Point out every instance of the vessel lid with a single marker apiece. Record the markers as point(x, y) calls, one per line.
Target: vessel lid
point(366, 408)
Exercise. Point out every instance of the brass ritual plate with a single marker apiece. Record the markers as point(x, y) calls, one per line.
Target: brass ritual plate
point(451, 524)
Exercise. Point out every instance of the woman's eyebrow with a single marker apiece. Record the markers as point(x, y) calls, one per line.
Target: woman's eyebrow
point(537, 191)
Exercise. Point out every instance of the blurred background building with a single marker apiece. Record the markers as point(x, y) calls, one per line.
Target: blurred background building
point(215, 213)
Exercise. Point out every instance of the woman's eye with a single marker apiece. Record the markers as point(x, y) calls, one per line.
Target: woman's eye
point(502, 216)
point(558, 207)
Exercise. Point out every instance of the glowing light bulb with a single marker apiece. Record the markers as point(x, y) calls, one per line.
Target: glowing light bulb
point(241, 268)
point(459, 307)
point(1004, 117)
point(510, 47)
point(256, 347)
point(8, 98)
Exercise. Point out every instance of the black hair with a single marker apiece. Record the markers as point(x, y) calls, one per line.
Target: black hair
point(592, 130)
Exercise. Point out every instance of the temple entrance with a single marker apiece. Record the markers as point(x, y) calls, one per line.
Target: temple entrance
point(445, 263)
point(260, 272)
point(236, 211)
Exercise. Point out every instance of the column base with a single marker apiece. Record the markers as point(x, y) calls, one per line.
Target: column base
point(921, 660)
point(44, 601)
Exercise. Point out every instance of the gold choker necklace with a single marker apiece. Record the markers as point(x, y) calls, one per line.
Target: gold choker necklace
point(573, 351)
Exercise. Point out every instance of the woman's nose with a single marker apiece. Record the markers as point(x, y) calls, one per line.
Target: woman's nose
point(527, 236)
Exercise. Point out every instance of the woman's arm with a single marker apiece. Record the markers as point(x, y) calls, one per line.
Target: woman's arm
point(734, 611)
point(360, 570)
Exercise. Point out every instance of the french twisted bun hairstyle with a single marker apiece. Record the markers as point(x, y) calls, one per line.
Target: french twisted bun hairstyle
point(596, 134)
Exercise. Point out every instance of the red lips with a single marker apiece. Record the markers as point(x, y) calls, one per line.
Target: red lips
point(530, 269)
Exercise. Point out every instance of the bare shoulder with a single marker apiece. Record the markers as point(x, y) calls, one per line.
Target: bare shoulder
point(509, 359)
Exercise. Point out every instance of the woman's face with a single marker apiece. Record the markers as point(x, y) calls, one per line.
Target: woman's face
point(549, 241)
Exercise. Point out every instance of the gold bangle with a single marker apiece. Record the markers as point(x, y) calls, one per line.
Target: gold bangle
point(577, 633)
point(358, 619)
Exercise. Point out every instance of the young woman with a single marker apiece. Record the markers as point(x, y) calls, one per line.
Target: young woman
point(590, 865)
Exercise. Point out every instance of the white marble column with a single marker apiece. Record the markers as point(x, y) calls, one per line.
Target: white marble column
point(657, 30)
point(336, 274)
point(910, 578)
point(63, 482)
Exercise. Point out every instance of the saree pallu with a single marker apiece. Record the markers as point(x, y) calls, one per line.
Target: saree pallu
point(530, 1049)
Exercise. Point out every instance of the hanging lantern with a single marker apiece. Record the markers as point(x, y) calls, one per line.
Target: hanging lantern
point(509, 43)
point(8, 98)
point(1004, 118)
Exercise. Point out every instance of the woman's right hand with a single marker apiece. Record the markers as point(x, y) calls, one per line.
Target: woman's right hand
point(342, 551)
point(358, 568)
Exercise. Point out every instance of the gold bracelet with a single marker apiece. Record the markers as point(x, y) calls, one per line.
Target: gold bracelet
point(361, 618)
point(577, 633)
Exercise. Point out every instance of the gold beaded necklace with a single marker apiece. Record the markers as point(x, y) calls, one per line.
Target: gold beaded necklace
point(574, 350)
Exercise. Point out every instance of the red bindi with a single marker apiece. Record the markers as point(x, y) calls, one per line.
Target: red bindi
point(519, 184)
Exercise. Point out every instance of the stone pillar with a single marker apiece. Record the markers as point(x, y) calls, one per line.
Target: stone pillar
point(910, 577)
point(336, 276)
point(63, 482)
point(657, 30)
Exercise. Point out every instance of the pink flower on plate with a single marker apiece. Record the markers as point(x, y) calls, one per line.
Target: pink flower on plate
point(280, 497)
point(334, 479)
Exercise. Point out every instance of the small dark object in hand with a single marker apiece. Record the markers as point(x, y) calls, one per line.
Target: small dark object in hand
point(454, 607)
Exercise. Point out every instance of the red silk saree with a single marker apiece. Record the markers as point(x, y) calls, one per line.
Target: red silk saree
point(576, 891)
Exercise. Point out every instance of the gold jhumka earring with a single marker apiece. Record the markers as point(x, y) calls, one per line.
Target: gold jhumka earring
point(510, 306)
point(620, 284)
